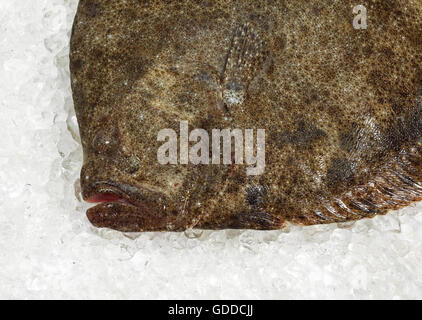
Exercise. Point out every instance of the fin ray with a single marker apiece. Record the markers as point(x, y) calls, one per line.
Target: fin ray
point(397, 184)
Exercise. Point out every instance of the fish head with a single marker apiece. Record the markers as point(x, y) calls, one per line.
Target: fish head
point(121, 170)
point(127, 88)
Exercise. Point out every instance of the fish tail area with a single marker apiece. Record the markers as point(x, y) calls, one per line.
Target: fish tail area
point(395, 185)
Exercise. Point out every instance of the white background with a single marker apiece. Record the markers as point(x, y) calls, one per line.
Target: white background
point(49, 250)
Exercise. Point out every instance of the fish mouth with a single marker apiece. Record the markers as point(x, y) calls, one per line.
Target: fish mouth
point(106, 193)
point(126, 208)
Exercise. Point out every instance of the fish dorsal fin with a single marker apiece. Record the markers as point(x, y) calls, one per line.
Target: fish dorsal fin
point(395, 185)
point(244, 60)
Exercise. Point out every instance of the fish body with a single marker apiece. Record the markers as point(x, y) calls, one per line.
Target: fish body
point(341, 109)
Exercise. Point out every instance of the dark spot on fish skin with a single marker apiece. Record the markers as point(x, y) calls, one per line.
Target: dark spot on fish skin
point(255, 196)
point(387, 53)
point(397, 108)
point(304, 135)
point(205, 3)
point(316, 10)
point(407, 126)
point(348, 139)
point(311, 96)
point(94, 9)
point(97, 54)
point(414, 121)
point(137, 69)
point(77, 65)
point(341, 170)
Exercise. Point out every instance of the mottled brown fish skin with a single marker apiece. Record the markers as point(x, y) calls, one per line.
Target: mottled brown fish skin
point(342, 109)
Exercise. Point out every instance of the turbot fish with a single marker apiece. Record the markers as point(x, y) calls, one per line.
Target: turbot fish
point(244, 114)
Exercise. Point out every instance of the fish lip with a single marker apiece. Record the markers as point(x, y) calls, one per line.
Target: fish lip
point(133, 209)
point(122, 193)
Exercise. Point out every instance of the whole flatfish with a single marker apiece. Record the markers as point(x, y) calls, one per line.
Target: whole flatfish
point(322, 101)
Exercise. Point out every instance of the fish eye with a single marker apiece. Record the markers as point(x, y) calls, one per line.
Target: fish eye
point(104, 143)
